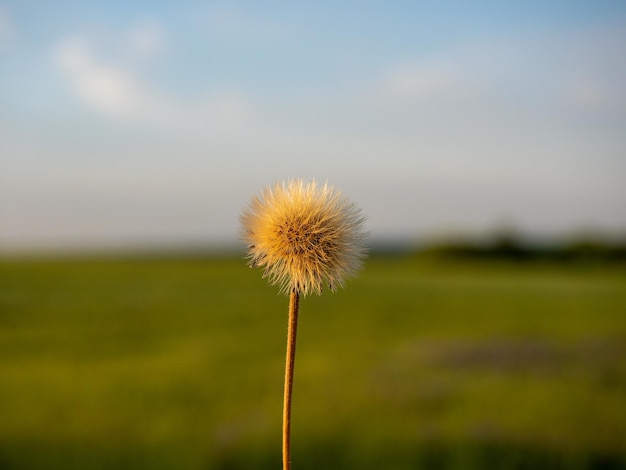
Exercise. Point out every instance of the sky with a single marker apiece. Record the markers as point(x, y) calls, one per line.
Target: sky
point(154, 123)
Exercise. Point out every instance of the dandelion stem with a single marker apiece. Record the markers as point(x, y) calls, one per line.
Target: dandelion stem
point(294, 302)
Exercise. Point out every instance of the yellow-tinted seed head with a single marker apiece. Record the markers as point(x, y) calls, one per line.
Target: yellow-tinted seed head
point(305, 235)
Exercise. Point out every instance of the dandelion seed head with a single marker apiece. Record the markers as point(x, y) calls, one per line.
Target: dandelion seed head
point(304, 235)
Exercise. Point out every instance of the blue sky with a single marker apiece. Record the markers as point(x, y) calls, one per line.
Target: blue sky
point(155, 122)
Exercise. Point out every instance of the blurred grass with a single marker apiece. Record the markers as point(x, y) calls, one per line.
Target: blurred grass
point(178, 364)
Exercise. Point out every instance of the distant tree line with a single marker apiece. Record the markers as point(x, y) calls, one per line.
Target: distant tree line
point(512, 248)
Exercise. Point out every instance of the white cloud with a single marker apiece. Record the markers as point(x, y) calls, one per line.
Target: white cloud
point(105, 87)
point(582, 70)
point(113, 86)
point(117, 89)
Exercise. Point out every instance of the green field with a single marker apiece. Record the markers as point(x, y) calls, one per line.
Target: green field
point(164, 363)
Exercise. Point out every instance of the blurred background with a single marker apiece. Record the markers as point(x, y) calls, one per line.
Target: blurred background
point(148, 122)
point(485, 141)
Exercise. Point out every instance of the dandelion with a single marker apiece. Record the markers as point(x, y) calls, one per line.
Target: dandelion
point(305, 236)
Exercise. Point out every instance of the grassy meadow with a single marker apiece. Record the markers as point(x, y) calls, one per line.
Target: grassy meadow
point(177, 363)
